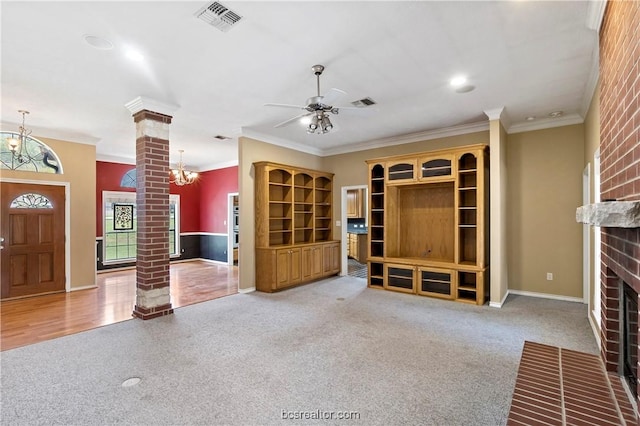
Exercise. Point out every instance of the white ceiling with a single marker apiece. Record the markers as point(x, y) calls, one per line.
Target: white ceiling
point(531, 57)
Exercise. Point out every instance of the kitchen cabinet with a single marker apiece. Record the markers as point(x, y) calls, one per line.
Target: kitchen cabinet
point(357, 246)
point(355, 204)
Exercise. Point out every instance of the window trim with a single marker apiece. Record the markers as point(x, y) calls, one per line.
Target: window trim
point(131, 197)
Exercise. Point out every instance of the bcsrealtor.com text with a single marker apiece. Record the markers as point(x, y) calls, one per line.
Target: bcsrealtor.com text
point(319, 415)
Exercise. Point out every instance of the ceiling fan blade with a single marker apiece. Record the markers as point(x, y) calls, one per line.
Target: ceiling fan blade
point(285, 106)
point(291, 120)
point(332, 95)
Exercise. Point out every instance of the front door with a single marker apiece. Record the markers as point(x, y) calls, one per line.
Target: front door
point(32, 235)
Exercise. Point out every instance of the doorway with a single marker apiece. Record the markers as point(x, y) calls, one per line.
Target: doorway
point(354, 231)
point(32, 239)
point(233, 228)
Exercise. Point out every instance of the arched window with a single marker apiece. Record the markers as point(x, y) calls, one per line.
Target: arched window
point(31, 201)
point(129, 179)
point(29, 154)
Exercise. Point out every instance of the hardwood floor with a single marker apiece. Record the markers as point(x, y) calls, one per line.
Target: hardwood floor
point(35, 319)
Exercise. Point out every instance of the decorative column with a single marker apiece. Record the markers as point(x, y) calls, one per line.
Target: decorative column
point(498, 207)
point(152, 202)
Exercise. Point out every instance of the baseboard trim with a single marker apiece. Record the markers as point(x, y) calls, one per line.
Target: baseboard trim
point(86, 287)
point(246, 290)
point(500, 303)
point(546, 296)
point(217, 262)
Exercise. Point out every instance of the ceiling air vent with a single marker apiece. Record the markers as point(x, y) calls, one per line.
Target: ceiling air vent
point(363, 102)
point(219, 16)
point(221, 137)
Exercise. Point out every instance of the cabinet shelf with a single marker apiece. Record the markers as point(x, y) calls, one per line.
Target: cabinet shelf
point(468, 188)
point(467, 171)
point(467, 208)
point(467, 288)
point(468, 226)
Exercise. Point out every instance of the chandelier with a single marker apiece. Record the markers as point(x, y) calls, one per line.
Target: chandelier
point(181, 176)
point(18, 145)
point(320, 123)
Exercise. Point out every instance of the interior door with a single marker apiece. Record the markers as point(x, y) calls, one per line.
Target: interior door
point(32, 234)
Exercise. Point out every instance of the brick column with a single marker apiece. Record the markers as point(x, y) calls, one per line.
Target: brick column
point(152, 202)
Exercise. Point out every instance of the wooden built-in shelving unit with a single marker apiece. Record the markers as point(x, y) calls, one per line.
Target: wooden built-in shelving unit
point(428, 223)
point(293, 226)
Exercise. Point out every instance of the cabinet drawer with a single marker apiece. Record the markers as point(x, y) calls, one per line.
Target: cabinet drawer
point(436, 283)
point(400, 278)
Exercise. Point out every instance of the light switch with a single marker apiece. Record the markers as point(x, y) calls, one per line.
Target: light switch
point(338, 223)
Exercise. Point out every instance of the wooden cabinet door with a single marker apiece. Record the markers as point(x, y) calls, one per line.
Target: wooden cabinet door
point(316, 254)
point(401, 171)
point(352, 203)
point(335, 258)
point(436, 168)
point(283, 269)
point(288, 267)
point(296, 266)
point(307, 263)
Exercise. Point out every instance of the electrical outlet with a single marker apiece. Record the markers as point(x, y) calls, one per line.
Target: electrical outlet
point(549, 276)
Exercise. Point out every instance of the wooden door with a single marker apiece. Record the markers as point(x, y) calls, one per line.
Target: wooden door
point(296, 265)
point(283, 268)
point(32, 221)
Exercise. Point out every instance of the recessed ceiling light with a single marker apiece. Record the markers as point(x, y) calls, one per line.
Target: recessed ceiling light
point(458, 81)
point(134, 54)
point(556, 114)
point(531, 118)
point(98, 42)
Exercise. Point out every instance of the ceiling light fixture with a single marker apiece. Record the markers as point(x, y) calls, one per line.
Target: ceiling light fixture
point(134, 55)
point(98, 42)
point(181, 176)
point(531, 118)
point(18, 145)
point(458, 81)
point(319, 124)
point(556, 114)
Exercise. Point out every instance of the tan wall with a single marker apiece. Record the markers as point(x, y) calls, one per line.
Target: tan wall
point(249, 152)
point(591, 144)
point(79, 167)
point(350, 169)
point(543, 191)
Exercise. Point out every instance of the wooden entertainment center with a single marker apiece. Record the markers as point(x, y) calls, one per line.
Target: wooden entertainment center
point(294, 242)
point(429, 224)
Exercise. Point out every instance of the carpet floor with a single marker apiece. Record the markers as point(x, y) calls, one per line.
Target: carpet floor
point(331, 349)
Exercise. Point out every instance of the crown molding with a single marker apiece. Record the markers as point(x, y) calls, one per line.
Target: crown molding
point(142, 103)
point(216, 166)
point(410, 138)
point(115, 159)
point(547, 123)
point(595, 13)
point(285, 143)
point(48, 133)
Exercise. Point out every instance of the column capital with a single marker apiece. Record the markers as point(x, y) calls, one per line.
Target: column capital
point(494, 114)
point(142, 103)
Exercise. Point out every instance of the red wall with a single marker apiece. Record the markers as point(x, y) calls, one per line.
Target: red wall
point(108, 177)
point(203, 204)
point(214, 189)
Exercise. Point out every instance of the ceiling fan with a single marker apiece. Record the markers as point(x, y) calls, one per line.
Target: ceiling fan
point(318, 108)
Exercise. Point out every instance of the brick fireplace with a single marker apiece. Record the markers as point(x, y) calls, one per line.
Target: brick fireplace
point(620, 167)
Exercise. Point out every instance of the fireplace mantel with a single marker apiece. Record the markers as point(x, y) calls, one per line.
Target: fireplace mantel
point(610, 214)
